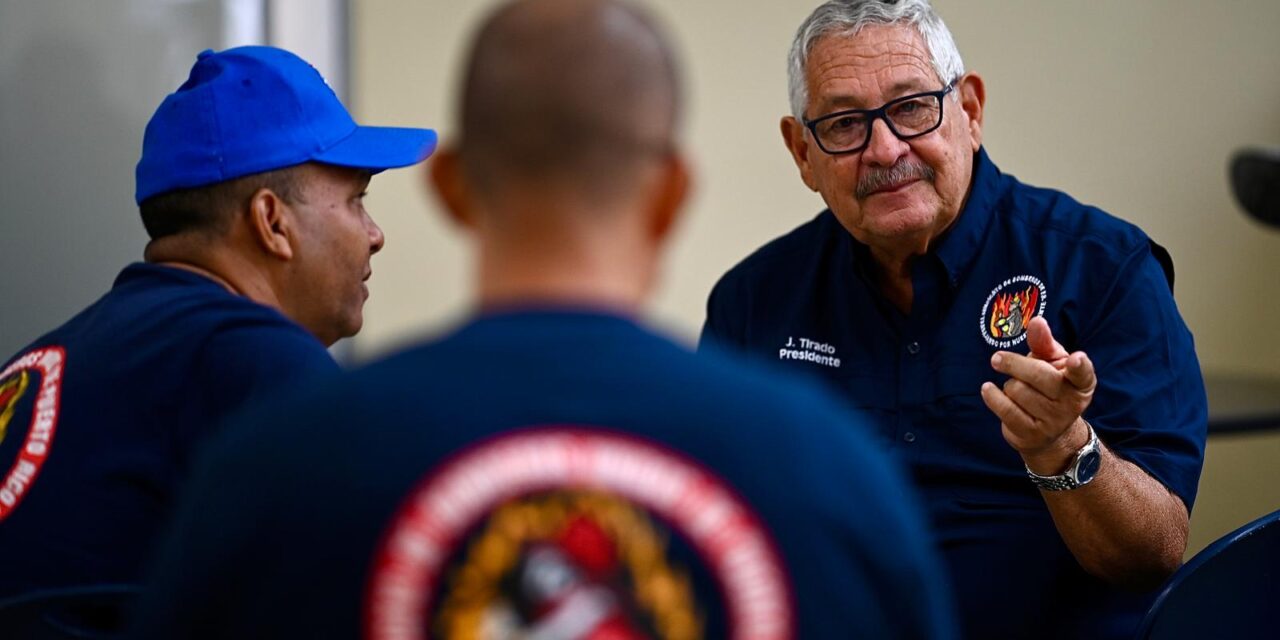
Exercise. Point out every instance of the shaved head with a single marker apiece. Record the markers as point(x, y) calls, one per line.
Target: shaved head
point(568, 94)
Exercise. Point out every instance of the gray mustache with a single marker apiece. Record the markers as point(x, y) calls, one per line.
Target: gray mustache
point(902, 171)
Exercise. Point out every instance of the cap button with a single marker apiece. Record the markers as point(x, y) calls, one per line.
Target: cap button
point(204, 54)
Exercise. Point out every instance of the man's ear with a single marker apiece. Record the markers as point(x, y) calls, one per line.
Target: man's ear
point(445, 177)
point(672, 192)
point(973, 97)
point(798, 144)
point(271, 223)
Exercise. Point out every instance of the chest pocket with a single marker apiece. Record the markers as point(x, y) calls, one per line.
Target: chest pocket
point(966, 430)
point(872, 396)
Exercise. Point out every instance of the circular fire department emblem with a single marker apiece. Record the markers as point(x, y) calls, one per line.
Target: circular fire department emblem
point(1010, 308)
point(567, 533)
point(47, 362)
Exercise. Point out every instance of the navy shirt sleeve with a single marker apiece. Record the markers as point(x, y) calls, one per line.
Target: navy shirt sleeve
point(251, 360)
point(1150, 403)
point(722, 326)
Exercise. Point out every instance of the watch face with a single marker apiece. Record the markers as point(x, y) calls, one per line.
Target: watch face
point(1088, 466)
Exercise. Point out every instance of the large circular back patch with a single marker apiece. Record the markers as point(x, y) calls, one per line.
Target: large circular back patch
point(567, 533)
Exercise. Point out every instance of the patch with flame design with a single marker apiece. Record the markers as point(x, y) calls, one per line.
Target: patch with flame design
point(568, 533)
point(1009, 309)
point(566, 555)
point(47, 363)
point(11, 390)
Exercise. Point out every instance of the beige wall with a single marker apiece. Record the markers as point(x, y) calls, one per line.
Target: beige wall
point(1132, 106)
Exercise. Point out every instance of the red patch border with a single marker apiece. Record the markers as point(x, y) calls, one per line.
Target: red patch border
point(49, 361)
point(724, 531)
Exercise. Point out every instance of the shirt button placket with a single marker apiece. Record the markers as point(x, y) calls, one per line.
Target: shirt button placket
point(912, 373)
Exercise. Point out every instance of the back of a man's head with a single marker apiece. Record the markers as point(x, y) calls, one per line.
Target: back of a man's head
point(566, 94)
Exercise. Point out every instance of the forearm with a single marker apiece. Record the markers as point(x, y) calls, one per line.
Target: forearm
point(1124, 527)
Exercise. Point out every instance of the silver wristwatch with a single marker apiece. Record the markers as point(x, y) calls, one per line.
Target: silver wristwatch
point(1080, 472)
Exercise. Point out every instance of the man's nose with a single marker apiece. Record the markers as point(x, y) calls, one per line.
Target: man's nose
point(884, 149)
point(376, 238)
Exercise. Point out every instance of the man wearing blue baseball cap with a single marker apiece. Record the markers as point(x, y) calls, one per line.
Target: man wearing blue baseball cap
point(251, 188)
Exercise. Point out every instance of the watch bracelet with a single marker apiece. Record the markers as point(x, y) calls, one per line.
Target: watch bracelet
point(1063, 481)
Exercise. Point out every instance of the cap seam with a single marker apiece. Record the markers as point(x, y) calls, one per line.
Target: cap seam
point(308, 123)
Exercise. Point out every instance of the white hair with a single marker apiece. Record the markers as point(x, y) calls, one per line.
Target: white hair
point(848, 17)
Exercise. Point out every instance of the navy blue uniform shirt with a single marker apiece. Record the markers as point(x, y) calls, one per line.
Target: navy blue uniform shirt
point(98, 419)
point(808, 301)
point(550, 470)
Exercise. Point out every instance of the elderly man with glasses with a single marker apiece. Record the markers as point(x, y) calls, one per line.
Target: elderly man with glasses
point(1020, 351)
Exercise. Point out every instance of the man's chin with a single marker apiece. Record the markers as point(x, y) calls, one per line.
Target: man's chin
point(899, 224)
point(354, 327)
point(350, 326)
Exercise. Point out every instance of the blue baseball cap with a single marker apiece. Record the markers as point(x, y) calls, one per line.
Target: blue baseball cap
point(253, 109)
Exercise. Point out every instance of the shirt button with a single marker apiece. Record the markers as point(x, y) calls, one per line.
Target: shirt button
point(913, 348)
point(909, 437)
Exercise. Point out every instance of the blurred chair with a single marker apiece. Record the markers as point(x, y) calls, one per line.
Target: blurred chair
point(1244, 403)
point(1231, 589)
point(96, 612)
point(1255, 181)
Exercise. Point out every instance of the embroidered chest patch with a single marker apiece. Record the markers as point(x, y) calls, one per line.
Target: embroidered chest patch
point(1009, 309)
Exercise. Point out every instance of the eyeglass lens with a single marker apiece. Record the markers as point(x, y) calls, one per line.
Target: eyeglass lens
point(908, 117)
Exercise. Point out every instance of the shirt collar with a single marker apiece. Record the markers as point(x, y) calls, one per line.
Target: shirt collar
point(961, 243)
point(148, 271)
point(554, 314)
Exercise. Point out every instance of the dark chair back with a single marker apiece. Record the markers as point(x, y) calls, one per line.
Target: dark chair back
point(96, 612)
point(1231, 589)
point(1255, 180)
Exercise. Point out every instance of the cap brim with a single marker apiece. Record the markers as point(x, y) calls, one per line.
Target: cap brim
point(378, 148)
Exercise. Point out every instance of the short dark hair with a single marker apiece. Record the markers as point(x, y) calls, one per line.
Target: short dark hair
point(210, 208)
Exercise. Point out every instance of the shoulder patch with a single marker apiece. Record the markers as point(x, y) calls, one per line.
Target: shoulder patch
point(566, 532)
point(48, 363)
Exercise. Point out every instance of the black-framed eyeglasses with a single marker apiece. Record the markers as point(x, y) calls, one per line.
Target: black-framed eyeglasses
point(908, 117)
